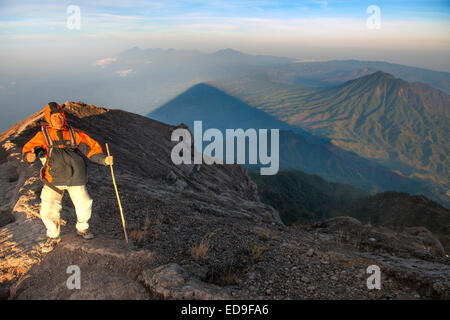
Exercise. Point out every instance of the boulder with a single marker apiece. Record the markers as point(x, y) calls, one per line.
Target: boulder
point(171, 281)
point(340, 223)
point(426, 239)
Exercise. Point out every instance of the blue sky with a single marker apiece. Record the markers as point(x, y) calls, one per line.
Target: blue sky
point(431, 9)
point(303, 29)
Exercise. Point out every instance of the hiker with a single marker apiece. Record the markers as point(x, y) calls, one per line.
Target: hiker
point(60, 146)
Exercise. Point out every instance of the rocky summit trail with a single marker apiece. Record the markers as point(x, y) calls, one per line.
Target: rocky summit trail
point(194, 234)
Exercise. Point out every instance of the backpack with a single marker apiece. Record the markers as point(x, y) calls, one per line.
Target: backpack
point(50, 146)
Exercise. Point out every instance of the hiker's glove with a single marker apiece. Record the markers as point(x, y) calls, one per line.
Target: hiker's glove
point(31, 157)
point(109, 161)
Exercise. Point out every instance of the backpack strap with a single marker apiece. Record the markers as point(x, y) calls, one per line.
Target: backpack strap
point(73, 140)
point(52, 186)
point(48, 139)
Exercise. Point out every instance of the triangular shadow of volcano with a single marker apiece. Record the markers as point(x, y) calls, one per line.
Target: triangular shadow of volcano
point(299, 150)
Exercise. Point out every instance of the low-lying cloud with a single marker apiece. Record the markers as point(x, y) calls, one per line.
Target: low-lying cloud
point(102, 63)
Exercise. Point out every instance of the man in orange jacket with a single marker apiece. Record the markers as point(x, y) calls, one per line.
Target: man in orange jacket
point(64, 169)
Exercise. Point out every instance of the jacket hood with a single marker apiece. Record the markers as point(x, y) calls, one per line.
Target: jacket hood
point(51, 108)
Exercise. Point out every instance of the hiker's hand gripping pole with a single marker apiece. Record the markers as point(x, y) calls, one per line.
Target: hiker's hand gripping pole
point(118, 199)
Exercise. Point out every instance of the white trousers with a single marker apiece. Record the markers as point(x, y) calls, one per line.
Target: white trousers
point(51, 205)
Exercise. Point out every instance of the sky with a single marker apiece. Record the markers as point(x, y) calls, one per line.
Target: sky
point(35, 34)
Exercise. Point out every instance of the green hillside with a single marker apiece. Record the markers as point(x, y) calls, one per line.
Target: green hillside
point(401, 125)
point(303, 198)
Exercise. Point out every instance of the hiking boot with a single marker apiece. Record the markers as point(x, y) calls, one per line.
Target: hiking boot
point(50, 244)
point(86, 234)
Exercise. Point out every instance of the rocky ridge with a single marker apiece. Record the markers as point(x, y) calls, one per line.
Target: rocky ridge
point(194, 234)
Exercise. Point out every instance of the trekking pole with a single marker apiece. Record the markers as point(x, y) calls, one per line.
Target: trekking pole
point(118, 199)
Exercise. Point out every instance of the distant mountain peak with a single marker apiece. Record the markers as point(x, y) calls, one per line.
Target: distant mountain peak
point(421, 94)
point(379, 75)
point(376, 78)
point(134, 49)
point(228, 51)
point(382, 74)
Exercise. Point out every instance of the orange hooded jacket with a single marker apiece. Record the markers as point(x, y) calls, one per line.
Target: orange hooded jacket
point(66, 167)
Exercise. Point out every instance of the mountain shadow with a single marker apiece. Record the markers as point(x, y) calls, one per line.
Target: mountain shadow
point(298, 149)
